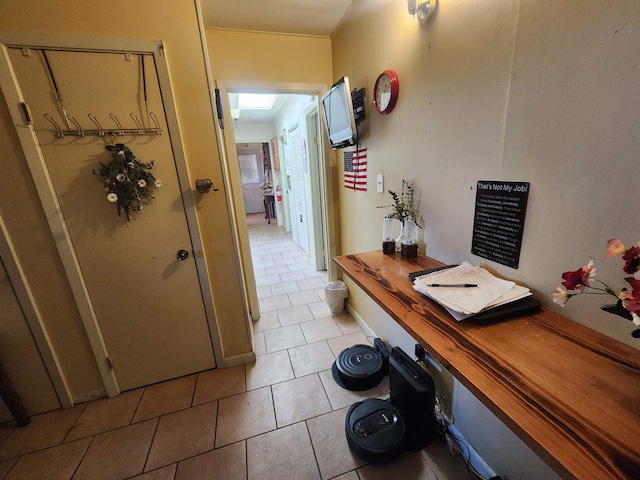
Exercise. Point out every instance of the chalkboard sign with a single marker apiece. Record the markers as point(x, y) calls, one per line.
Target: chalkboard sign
point(499, 221)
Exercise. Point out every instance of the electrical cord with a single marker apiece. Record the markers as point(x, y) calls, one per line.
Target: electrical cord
point(441, 417)
point(455, 444)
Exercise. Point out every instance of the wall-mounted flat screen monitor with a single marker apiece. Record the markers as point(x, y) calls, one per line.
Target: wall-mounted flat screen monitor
point(338, 114)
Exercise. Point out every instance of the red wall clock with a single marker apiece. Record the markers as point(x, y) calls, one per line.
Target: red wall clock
point(385, 92)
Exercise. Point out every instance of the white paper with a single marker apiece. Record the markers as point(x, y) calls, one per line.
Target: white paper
point(467, 300)
point(507, 298)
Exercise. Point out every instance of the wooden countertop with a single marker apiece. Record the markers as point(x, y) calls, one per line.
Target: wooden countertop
point(570, 393)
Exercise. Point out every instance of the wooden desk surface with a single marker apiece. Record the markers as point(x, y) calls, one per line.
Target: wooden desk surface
point(570, 393)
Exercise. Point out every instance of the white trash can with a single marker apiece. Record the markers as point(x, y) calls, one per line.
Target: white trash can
point(334, 294)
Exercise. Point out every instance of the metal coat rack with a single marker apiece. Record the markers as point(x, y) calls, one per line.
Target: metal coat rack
point(119, 130)
point(99, 131)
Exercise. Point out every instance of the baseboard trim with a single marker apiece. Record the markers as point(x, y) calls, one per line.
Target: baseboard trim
point(90, 396)
point(235, 360)
point(365, 328)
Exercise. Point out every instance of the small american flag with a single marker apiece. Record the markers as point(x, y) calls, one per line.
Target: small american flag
point(355, 170)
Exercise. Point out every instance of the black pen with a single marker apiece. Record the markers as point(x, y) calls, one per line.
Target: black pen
point(453, 285)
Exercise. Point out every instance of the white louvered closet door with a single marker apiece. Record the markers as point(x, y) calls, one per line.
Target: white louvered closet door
point(299, 220)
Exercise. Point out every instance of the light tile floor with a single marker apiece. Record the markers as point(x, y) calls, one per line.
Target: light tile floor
point(280, 418)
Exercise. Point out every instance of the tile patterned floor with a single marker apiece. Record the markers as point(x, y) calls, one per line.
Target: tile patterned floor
point(280, 418)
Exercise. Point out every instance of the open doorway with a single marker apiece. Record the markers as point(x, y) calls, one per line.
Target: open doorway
point(277, 146)
point(297, 174)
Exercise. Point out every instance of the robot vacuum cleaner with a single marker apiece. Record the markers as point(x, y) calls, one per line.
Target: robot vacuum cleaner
point(361, 367)
point(378, 430)
point(375, 430)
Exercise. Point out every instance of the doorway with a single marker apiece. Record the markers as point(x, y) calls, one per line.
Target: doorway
point(134, 277)
point(289, 136)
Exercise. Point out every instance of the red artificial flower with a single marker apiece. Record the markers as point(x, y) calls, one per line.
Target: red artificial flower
point(572, 280)
point(632, 259)
point(579, 282)
point(578, 279)
point(631, 299)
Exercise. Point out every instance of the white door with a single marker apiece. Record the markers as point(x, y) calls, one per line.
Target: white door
point(147, 302)
point(299, 215)
point(251, 175)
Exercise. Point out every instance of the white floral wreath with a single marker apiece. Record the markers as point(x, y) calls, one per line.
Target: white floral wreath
point(126, 180)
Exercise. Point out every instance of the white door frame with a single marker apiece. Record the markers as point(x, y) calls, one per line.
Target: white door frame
point(314, 155)
point(33, 317)
point(44, 186)
point(230, 162)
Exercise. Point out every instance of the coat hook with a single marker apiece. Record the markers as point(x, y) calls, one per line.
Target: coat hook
point(117, 122)
point(134, 117)
point(80, 132)
point(93, 118)
point(153, 117)
point(58, 133)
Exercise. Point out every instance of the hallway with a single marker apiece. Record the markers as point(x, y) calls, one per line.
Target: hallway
point(280, 418)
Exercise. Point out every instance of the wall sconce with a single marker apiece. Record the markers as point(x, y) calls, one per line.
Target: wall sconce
point(424, 9)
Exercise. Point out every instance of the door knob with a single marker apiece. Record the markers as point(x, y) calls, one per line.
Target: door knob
point(182, 254)
point(203, 185)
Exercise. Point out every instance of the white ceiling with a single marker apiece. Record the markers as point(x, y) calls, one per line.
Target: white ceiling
point(308, 17)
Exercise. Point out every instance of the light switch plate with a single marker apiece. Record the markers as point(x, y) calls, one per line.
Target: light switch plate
point(380, 183)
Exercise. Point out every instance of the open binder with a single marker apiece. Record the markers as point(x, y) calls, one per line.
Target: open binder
point(493, 300)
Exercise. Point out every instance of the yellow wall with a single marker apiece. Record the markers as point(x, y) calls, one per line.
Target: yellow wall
point(176, 24)
point(269, 57)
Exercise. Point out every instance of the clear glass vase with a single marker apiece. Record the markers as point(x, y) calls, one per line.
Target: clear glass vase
point(387, 229)
point(409, 231)
point(388, 243)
